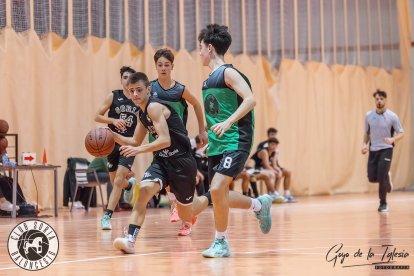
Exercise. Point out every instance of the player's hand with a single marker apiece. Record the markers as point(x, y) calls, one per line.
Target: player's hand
point(129, 151)
point(203, 137)
point(389, 140)
point(119, 124)
point(199, 177)
point(220, 128)
point(278, 171)
point(364, 149)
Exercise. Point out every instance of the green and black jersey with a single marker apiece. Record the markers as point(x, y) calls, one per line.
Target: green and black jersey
point(180, 143)
point(220, 102)
point(173, 96)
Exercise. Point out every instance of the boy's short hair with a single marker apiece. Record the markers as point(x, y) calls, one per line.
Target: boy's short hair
point(126, 69)
point(216, 35)
point(138, 76)
point(271, 130)
point(164, 52)
point(380, 93)
point(273, 140)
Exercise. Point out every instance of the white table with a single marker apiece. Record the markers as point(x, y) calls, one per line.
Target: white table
point(15, 172)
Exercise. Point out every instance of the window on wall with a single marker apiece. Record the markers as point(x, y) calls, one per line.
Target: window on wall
point(252, 37)
point(219, 11)
point(275, 33)
point(315, 31)
point(364, 33)
point(204, 14)
point(288, 30)
point(2, 14)
point(60, 17)
point(328, 31)
point(20, 10)
point(41, 11)
point(173, 24)
point(303, 28)
point(190, 25)
point(98, 17)
point(357, 32)
point(394, 41)
point(156, 23)
point(352, 32)
point(235, 26)
point(117, 20)
point(136, 23)
point(80, 19)
point(264, 28)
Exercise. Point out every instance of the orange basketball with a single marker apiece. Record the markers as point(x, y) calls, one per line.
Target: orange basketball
point(99, 142)
point(3, 144)
point(4, 126)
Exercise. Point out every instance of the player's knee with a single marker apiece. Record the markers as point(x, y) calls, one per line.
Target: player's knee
point(119, 181)
point(215, 192)
point(145, 191)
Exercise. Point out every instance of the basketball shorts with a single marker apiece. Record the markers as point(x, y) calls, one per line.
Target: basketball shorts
point(115, 159)
point(230, 163)
point(179, 173)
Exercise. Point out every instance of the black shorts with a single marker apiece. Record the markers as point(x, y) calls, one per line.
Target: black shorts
point(179, 173)
point(115, 158)
point(379, 163)
point(230, 163)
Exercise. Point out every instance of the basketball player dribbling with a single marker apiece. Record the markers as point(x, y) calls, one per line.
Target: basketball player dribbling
point(173, 164)
point(121, 119)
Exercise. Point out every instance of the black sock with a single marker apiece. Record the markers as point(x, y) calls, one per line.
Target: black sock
point(129, 186)
point(246, 193)
point(133, 230)
point(108, 212)
point(253, 184)
point(208, 196)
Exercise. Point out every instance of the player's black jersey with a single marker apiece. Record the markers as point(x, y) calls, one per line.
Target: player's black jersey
point(174, 97)
point(258, 161)
point(123, 108)
point(180, 143)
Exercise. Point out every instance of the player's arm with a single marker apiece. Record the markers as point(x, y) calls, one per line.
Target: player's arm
point(236, 82)
point(365, 142)
point(101, 118)
point(399, 132)
point(136, 140)
point(199, 114)
point(264, 156)
point(156, 113)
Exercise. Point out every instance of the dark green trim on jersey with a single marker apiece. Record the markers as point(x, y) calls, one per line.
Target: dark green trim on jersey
point(173, 96)
point(220, 102)
point(180, 143)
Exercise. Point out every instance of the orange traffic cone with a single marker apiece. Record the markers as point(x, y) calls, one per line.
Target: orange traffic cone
point(44, 157)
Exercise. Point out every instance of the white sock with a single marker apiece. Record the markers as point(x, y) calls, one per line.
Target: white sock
point(221, 235)
point(287, 193)
point(171, 196)
point(256, 205)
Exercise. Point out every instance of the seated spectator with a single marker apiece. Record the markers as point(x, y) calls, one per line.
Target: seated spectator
point(283, 174)
point(263, 158)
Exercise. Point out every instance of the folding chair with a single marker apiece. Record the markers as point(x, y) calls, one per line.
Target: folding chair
point(81, 176)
